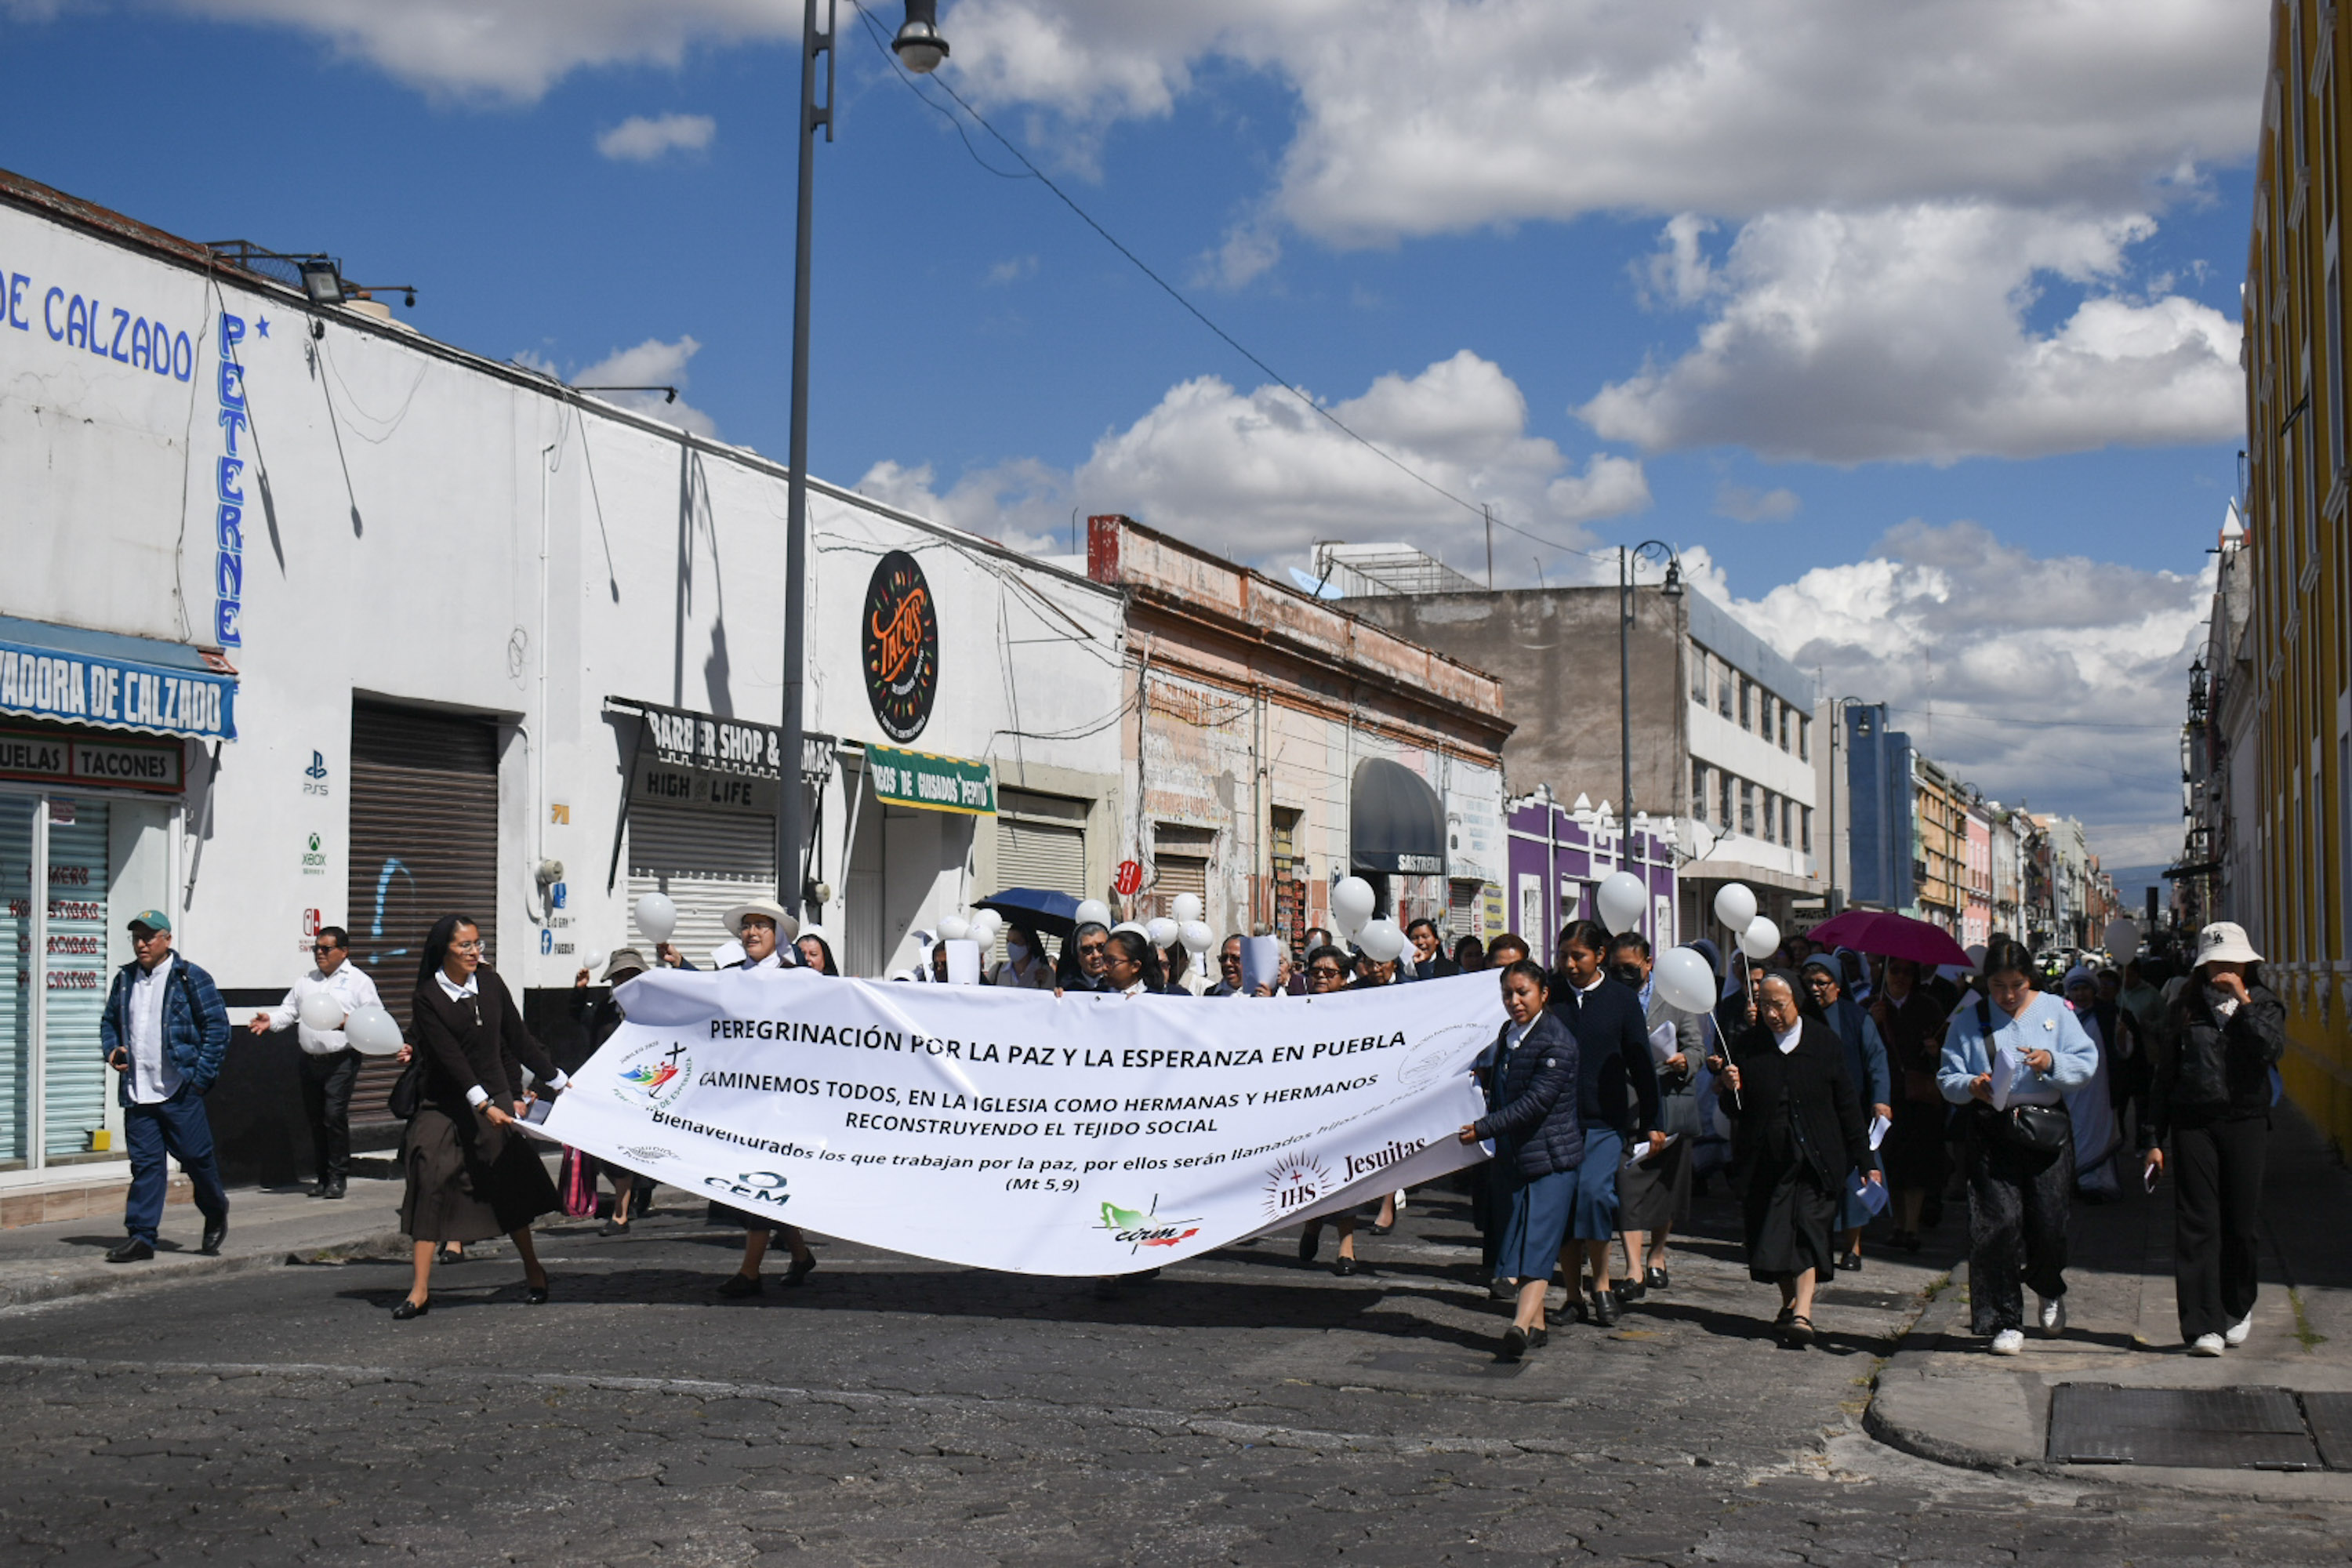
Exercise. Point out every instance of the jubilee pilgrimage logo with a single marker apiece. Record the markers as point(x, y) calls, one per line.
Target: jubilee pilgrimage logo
point(1137, 1229)
point(654, 1076)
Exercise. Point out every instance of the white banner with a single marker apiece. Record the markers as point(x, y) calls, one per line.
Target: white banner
point(1015, 1130)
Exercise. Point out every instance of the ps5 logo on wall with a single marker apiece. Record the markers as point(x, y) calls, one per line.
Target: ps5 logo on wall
point(229, 570)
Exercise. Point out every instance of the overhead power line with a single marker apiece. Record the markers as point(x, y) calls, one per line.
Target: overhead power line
point(873, 31)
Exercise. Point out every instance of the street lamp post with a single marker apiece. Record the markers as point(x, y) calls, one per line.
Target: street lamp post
point(1626, 562)
point(919, 48)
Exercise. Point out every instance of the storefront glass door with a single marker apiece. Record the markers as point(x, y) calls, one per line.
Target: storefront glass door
point(74, 1075)
point(19, 971)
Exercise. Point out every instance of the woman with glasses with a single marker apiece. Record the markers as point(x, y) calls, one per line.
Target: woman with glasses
point(1081, 967)
point(1327, 973)
point(1130, 967)
point(470, 1175)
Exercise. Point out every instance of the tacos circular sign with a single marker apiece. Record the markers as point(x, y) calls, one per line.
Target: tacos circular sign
point(902, 646)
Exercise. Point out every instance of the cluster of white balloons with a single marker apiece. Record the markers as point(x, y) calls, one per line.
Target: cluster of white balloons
point(1352, 901)
point(982, 926)
point(371, 1031)
point(1683, 975)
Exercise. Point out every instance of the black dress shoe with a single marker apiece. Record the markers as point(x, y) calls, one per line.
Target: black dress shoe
point(742, 1285)
point(1382, 1229)
point(1850, 1263)
point(449, 1253)
point(408, 1308)
point(1656, 1279)
point(131, 1251)
point(1629, 1292)
point(800, 1269)
point(317, 1188)
point(614, 1227)
point(1515, 1343)
point(1910, 1241)
point(1605, 1311)
point(215, 1232)
point(1786, 1316)
point(334, 1190)
point(1538, 1338)
point(1343, 1265)
point(534, 1295)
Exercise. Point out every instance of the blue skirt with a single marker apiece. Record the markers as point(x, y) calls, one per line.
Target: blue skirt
point(1595, 1215)
point(1534, 1212)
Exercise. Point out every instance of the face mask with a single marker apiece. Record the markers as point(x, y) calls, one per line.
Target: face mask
point(1630, 974)
point(1017, 951)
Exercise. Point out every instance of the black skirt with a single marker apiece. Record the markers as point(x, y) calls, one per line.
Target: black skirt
point(1914, 1153)
point(1788, 1215)
point(469, 1182)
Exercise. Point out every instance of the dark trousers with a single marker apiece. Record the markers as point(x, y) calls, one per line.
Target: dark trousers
point(327, 1099)
point(2216, 1204)
point(2019, 1202)
point(177, 1127)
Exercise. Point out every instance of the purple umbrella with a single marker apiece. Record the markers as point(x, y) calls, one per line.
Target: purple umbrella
point(1891, 936)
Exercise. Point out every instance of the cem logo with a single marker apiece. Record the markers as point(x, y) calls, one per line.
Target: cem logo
point(752, 1187)
point(654, 1076)
point(314, 778)
point(901, 636)
point(1136, 1229)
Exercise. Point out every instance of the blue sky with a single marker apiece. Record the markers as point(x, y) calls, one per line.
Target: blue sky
point(978, 351)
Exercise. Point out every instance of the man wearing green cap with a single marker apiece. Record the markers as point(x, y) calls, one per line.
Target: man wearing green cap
point(165, 1030)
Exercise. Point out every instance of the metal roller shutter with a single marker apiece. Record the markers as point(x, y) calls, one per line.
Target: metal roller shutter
point(705, 861)
point(1044, 856)
point(1462, 912)
point(425, 844)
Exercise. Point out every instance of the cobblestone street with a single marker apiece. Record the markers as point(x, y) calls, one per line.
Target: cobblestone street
point(1241, 1409)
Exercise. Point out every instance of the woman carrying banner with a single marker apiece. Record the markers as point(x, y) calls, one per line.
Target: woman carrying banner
point(470, 1176)
point(1539, 1134)
point(1326, 973)
point(1131, 969)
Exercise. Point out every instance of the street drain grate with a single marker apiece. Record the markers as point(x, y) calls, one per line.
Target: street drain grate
point(2330, 1415)
point(2207, 1429)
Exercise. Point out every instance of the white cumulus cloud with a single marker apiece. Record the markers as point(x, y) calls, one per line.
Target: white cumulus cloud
point(1259, 476)
point(2051, 681)
point(643, 139)
point(650, 363)
point(1902, 333)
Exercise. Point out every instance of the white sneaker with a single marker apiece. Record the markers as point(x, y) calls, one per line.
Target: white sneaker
point(2240, 1331)
point(2009, 1342)
point(2054, 1316)
point(2206, 1345)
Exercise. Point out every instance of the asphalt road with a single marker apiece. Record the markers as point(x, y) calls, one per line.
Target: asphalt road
point(1241, 1409)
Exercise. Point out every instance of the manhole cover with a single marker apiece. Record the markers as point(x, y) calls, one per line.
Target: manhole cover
point(2212, 1428)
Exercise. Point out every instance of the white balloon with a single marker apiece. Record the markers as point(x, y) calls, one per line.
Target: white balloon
point(985, 925)
point(1093, 912)
point(1351, 904)
point(1162, 932)
point(1185, 908)
point(1138, 926)
point(1622, 897)
point(1761, 940)
point(321, 1012)
point(372, 1032)
point(2121, 939)
point(657, 917)
point(1735, 905)
point(1685, 979)
point(1382, 940)
point(592, 959)
point(954, 928)
point(1196, 936)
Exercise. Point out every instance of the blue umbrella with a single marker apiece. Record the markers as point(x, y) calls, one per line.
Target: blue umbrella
point(1047, 913)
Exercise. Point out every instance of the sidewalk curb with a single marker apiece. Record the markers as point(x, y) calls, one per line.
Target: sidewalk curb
point(85, 1280)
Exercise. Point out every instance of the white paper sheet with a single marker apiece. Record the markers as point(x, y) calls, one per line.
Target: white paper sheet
point(2008, 1068)
point(1663, 1043)
point(963, 962)
point(1878, 1126)
point(1261, 963)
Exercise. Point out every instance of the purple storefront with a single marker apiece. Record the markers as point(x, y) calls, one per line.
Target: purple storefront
point(1557, 861)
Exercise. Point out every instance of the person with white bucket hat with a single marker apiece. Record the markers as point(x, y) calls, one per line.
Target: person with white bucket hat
point(2212, 1099)
point(765, 932)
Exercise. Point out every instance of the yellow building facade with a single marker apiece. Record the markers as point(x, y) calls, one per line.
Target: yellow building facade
point(2296, 484)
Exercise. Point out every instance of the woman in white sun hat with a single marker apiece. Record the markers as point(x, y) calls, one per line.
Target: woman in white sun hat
point(2212, 1099)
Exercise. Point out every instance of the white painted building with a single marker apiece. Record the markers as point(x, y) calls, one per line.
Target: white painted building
point(396, 630)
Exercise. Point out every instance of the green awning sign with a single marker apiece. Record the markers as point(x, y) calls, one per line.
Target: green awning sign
point(932, 782)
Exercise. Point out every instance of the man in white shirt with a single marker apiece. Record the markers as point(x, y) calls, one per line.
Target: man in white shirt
point(330, 1067)
point(165, 1031)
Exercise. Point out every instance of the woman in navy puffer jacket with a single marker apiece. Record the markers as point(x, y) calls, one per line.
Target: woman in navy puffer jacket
point(1538, 1144)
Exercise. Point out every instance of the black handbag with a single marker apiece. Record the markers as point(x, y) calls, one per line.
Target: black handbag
point(2034, 1129)
point(407, 1096)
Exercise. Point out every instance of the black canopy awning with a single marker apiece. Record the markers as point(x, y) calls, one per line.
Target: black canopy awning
point(1395, 821)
